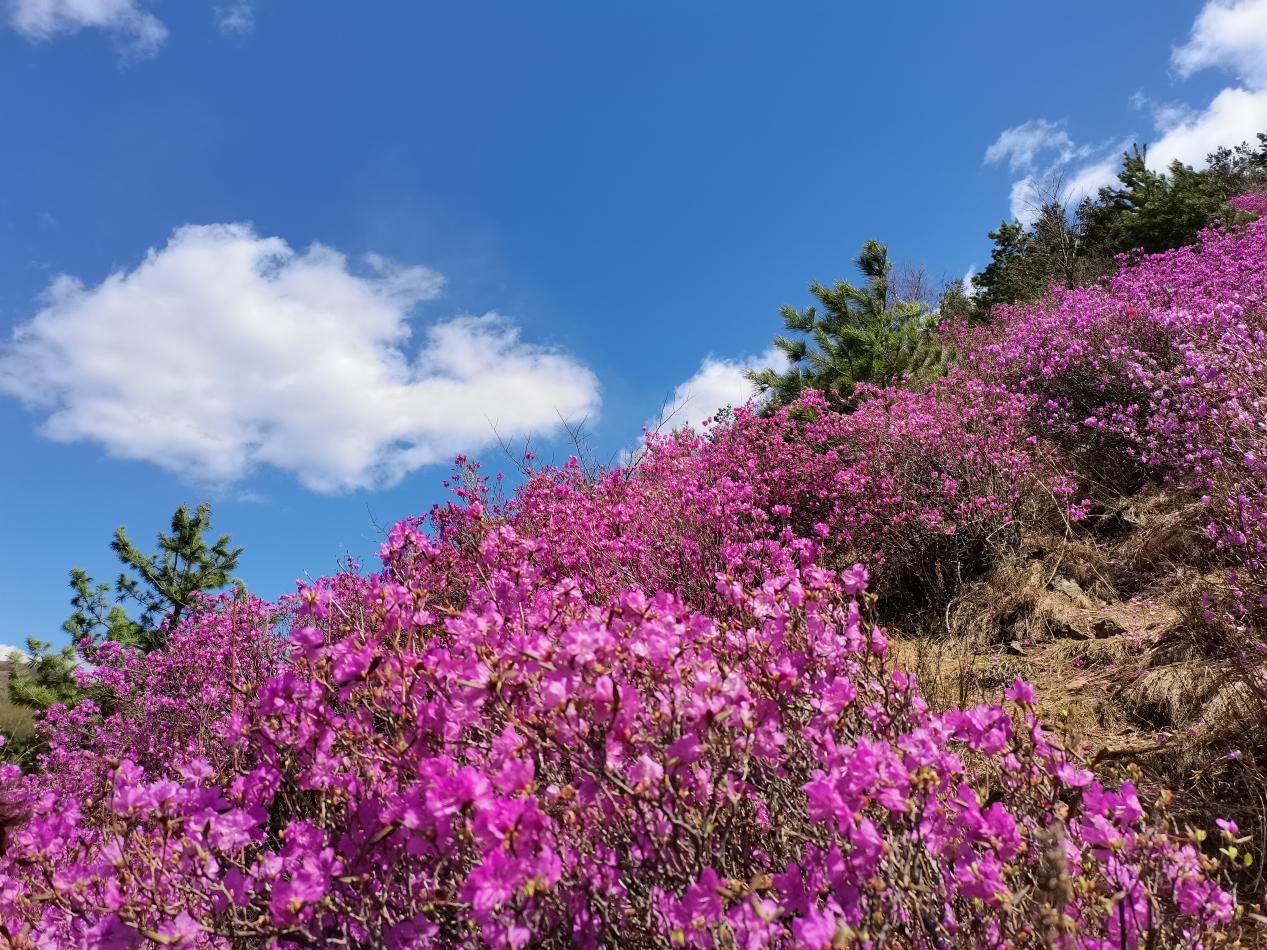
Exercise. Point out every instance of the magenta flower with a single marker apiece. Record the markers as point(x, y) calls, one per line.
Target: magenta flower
point(1021, 692)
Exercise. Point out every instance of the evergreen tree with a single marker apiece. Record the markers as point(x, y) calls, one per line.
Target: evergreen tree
point(1026, 261)
point(162, 585)
point(1157, 211)
point(860, 335)
point(46, 677)
point(1146, 209)
point(956, 301)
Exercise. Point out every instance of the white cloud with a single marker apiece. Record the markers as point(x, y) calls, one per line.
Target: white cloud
point(1024, 200)
point(969, 288)
point(1235, 116)
point(237, 19)
point(224, 351)
point(1087, 180)
point(138, 31)
point(1059, 177)
point(1165, 115)
point(1230, 35)
point(717, 383)
point(1021, 145)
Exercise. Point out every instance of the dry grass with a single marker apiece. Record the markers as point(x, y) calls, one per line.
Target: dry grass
point(1160, 533)
point(1101, 624)
point(1174, 696)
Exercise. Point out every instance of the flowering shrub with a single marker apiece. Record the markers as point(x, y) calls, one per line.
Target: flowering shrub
point(533, 767)
point(910, 483)
point(1162, 370)
point(164, 704)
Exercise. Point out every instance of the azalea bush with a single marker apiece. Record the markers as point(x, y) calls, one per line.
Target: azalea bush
point(534, 767)
point(1161, 372)
point(922, 487)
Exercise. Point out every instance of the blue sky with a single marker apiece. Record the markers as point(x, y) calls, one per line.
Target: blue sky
point(576, 209)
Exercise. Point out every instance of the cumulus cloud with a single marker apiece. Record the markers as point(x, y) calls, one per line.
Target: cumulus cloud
point(138, 31)
point(224, 351)
point(717, 383)
point(1230, 35)
point(1235, 116)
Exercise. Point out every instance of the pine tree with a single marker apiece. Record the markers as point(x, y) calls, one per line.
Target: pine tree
point(162, 585)
point(1157, 211)
point(860, 335)
point(46, 677)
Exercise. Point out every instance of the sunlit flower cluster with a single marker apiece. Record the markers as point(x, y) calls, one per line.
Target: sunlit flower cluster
point(535, 766)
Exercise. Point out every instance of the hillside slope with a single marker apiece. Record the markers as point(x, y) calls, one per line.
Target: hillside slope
point(672, 703)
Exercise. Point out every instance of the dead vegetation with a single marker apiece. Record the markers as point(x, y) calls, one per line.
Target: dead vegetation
point(1104, 623)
